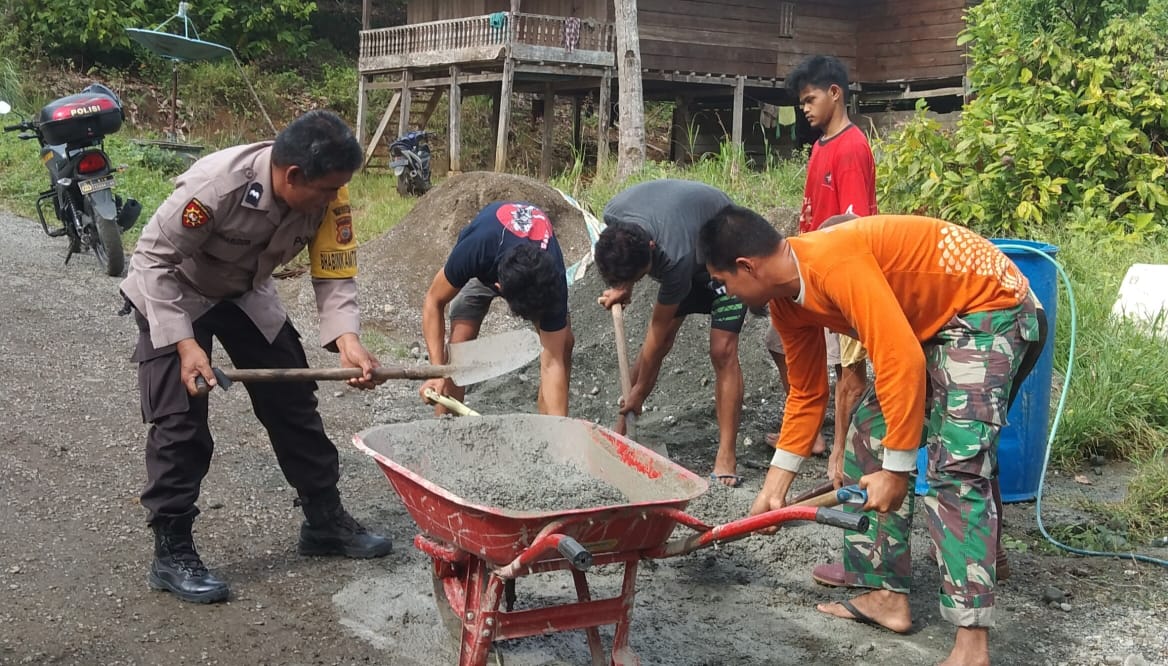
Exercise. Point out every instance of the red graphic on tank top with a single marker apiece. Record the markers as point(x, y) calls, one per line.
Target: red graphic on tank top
point(526, 221)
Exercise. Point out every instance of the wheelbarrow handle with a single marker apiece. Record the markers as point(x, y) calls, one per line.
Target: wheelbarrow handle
point(745, 527)
point(576, 555)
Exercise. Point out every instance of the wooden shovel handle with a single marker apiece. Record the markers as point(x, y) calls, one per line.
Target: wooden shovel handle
point(311, 374)
point(825, 487)
point(622, 360)
point(450, 403)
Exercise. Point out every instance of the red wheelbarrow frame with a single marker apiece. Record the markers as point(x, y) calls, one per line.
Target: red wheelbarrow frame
point(478, 551)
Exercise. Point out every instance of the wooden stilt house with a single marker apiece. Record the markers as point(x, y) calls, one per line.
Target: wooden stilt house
point(700, 54)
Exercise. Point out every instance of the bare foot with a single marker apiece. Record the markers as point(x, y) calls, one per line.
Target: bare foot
point(880, 607)
point(726, 469)
point(971, 648)
point(820, 446)
point(818, 449)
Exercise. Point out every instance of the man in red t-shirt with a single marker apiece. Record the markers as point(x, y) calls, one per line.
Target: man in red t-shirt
point(841, 179)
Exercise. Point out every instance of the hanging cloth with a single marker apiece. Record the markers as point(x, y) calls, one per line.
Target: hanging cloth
point(571, 33)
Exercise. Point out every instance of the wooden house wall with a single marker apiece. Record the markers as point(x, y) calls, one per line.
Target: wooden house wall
point(910, 41)
point(593, 9)
point(878, 40)
point(425, 11)
point(438, 10)
point(742, 37)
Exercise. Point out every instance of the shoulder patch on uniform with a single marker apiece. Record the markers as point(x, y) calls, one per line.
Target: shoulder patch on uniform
point(195, 214)
point(255, 192)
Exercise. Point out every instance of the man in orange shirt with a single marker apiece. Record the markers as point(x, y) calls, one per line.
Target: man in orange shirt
point(949, 323)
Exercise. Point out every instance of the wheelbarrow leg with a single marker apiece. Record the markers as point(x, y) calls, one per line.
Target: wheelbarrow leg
point(622, 654)
point(584, 594)
point(481, 619)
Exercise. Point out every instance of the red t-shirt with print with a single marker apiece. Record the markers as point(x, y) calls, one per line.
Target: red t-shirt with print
point(841, 178)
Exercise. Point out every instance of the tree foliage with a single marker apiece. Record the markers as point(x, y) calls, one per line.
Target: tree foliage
point(1067, 128)
point(95, 31)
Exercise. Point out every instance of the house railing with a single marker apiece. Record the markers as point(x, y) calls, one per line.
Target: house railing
point(476, 32)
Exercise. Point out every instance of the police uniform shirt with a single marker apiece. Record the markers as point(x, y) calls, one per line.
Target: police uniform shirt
point(220, 236)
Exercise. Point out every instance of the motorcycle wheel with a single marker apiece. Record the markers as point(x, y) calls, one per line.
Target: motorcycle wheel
point(107, 246)
point(403, 184)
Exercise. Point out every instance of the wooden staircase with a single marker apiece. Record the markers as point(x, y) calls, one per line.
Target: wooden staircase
point(422, 103)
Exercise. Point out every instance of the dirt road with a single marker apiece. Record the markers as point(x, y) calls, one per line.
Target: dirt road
point(74, 549)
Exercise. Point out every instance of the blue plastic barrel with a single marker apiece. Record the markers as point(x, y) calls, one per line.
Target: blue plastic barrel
point(1022, 444)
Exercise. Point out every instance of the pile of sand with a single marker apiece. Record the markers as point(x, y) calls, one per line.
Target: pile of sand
point(396, 269)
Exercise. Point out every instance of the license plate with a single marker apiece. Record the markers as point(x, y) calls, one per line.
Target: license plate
point(96, 184)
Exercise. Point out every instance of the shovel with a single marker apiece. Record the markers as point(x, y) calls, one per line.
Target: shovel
point(468, 363)
point(622, 361)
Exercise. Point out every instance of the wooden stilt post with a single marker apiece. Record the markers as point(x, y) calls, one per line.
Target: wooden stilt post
point(549, 123)
point(495, 102)
point(604, 118)
point(577, 138)
point(362, 102)
point(504, 115)
point(736, 133)
point(403, 118)
point(455, 122)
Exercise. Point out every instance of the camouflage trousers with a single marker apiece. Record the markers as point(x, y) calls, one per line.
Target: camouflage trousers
point(971, 365)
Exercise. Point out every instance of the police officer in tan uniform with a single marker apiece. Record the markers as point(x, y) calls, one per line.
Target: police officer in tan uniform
point(202, 269)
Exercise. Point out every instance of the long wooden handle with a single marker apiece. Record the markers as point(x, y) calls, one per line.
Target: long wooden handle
point(622, 360)
point(851, 494)
point(825, 487)
point(309, 374)
point(450, 403)
point(824, 499)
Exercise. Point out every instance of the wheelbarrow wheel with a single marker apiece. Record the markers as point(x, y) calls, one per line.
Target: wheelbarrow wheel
point(453, 623)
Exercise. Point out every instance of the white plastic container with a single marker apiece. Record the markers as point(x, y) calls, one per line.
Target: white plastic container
point(1143, 298)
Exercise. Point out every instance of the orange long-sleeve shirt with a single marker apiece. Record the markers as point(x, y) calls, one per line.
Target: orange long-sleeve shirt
point(892, 281)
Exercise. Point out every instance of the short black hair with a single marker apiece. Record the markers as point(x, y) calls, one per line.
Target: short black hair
point(319, 143)
point(736, 231)
point(818, 71)
point(622, 252)
point(531, 281)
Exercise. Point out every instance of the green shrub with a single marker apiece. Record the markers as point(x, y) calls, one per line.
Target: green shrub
point(1067, 128)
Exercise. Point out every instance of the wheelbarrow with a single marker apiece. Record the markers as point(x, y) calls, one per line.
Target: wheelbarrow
point(478, 550)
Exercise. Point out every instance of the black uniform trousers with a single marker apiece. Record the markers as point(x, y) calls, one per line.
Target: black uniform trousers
point(179, 444)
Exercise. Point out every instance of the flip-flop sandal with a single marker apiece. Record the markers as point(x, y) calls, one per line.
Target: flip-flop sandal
point(717, 478)
point(859, 616)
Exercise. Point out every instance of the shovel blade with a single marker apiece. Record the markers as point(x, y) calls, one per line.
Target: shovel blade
point(481, 359)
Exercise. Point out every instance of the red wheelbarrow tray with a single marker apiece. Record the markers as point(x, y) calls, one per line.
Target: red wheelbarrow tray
point(478, 551)
point(499, 535)
point(657, 488)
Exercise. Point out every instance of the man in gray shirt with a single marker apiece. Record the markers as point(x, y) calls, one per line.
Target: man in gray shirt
point(652, 229)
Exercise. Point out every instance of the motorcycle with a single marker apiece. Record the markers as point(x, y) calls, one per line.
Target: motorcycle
point(71, 131)
point(409, 157)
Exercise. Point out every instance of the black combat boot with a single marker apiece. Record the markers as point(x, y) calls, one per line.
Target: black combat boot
point(177, 568)
point(330, 530)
